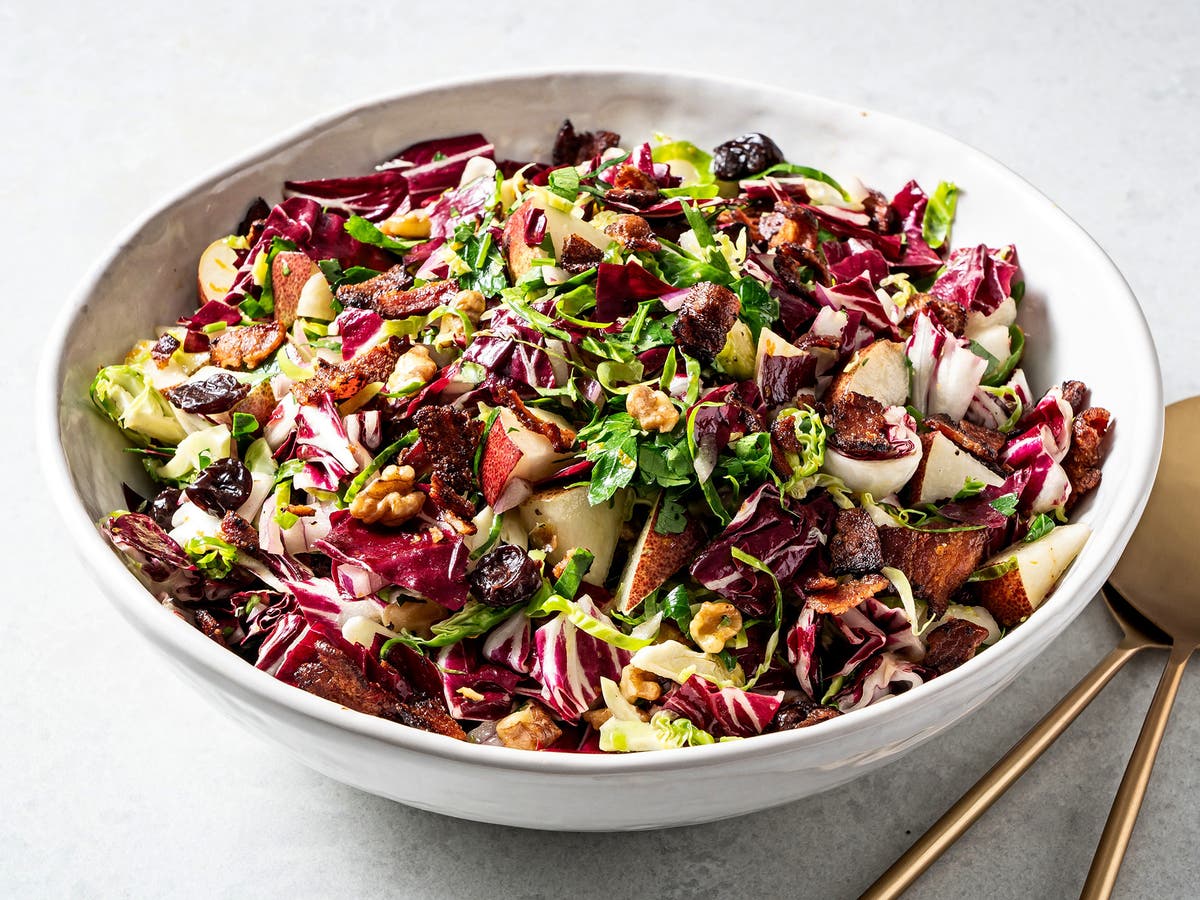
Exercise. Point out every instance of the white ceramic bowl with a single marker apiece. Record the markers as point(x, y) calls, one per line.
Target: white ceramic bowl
point(1082, 322)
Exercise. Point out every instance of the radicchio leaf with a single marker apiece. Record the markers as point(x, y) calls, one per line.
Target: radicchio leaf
point(723, 712)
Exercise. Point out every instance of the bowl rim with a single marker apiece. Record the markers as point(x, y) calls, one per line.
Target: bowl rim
point(176, 638)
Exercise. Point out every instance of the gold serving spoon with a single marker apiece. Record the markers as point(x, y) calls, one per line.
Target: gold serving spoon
point(1139, 635)
point(1162, 555)
point(1157, 574)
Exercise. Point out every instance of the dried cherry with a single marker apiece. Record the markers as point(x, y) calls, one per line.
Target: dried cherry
point(746, 155)
point(215, 394)
point(504, 577)
point(222, 487)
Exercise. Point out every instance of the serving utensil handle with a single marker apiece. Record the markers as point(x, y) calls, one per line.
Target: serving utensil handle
point(1110, 852)
point(963, 814)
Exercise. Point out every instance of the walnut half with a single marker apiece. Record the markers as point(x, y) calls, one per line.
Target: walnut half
point(390, 499)
point(530, 728)
point(714, 624)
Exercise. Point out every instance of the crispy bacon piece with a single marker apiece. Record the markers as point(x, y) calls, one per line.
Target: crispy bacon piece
point(789, 223)
point(573, 147)
point(702, 326)
point(450, 437)
point(845, 595)
point(783, 442)
point(1076, 394)
point(578, 255)
point(978, 440)
point(246, 347)
point(163, 349)
point(731, 218)
point(855, 548)
point(858, 427)
point(1082, 462)
point(334, 676)
point(239, 532)
point(936, 563)
point(633, 186)
point(364, 294)
point(417, 301)
point(560, 439)
point(801, 713)
point(344, 381)
point(883, 217)
point(950, 315)
point(634, 234)
point(951, 644)
point(790, 262)
point(208, 625)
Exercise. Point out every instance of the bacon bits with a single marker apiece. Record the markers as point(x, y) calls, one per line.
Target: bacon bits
point(702, 326)
point(246, 347)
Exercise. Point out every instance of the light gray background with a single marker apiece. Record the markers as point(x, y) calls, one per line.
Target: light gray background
point(116, 780)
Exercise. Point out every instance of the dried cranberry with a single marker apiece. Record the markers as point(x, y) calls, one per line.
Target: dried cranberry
point(746, 155)
point(505, 576)
point(222, 487)
point(215, 394)
point(162, 508)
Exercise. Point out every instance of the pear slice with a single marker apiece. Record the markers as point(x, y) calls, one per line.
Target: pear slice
point(290, 272)
point(566, 513)
point(654, 558)
point(944, 470)
point(513, 451)
point(879, 371)
point(1036, 569)
point(216, 271)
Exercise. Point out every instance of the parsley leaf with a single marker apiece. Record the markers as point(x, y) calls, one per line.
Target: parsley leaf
point(362, 230)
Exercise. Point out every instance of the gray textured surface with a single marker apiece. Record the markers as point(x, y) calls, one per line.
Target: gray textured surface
point(116, 780)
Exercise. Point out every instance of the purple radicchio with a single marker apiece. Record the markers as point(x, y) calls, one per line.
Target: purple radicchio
point(945, 371)
point(723, 712)
point(322, 442)
point(156, 553)
point(882, 676)
point(780, 537)
point(569, 663)
point(977, 278)
point(910, 203)
point(429, 567)
point(850, 259)
point(475, 689)
point(620, 288)
point(511, 644)
point(514, 348)
point(868, 629)
point(433, 166)
point(879, 313)
point(376, 196)
point(802, 649)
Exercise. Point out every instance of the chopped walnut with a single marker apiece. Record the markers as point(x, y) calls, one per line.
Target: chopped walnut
point(530, 728)
point(413, 224)
point(469, 303)
point(714, 624)
point(637, 684)
point(653, 409)
point(390, 499)
point(415, 365)
point(597, 717)
point(414, 616)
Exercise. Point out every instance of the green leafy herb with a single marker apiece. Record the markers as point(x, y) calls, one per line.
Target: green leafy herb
point(999, 371)
point(362, 230)
point(244, 425)
point(487, 274)
point(1041, 525)
point(972, 487)
point(676, 606)
point(567, 584)
point(759, 308)
point(1005, 504)
point(939, 214)
point(612, 444)
point(565, 182)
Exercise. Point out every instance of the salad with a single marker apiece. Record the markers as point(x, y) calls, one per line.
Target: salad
point(641, 448)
